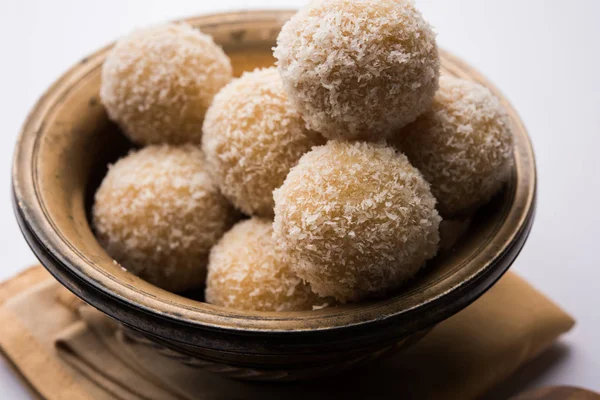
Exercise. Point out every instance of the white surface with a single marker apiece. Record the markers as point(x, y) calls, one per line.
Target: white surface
point(543, 54)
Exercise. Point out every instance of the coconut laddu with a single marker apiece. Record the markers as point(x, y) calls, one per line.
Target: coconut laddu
point(252, 137)
point(356, 219)
point(247, 272)
point(158, 213)
point(358, 69)
point(463, 146)
point(158, 82)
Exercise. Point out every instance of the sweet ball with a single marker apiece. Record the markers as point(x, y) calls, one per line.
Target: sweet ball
point(252, 137)
point(463, 146)
point(247, 272)
point(356, 219)
point(358, 69)
point(158, 213)
point(157, 83)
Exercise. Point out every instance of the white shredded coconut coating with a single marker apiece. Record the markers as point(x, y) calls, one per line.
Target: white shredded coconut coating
point(158, 83)
point(252, 137)
point(247, 272)
point(158, 213)
point(359, 69)
point(357, 219)
point(463, 146)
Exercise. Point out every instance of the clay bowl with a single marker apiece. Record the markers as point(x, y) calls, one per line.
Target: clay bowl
point(62, 154)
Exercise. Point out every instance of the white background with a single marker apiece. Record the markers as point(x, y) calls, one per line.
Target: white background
point(544, 55)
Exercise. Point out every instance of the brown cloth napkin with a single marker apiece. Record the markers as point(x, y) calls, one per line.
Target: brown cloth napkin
point(66, 350)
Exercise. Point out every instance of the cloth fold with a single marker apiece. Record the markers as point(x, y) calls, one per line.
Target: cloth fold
point(67, 350)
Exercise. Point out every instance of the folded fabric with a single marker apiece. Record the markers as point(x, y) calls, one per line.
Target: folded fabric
point(66, 350)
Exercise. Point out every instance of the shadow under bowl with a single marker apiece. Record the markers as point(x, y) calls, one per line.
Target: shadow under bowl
point(62, 155)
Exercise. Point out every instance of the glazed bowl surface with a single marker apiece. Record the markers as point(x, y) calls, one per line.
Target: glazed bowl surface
point(63, 152)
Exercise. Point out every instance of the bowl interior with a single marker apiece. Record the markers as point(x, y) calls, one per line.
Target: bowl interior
point(68, 142)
